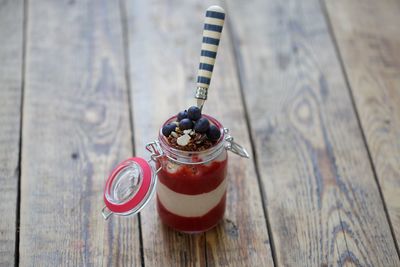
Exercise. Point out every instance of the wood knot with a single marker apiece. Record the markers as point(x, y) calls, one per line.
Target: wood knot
point(231, 228)
point(95, 114)
point(303, 112)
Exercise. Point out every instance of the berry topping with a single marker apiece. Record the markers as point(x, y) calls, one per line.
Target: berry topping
point(185, 124)
point(194, 113)
point(202, 125)
point(182, 115)
point(168, 129)
point(190, 131)
point(213, 133)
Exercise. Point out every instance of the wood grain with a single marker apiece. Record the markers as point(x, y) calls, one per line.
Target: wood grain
point(11, 36)
point(323, 202)
point(368, 35)
point(164, 55)
point(75, 129)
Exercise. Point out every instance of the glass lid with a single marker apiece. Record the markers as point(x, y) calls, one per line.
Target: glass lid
point(129, 187)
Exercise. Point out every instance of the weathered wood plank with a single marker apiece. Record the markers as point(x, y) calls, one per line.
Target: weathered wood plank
point(11, 50)
point(165, 39)
point(323, 202)
point(368, 35)
point(75, 128)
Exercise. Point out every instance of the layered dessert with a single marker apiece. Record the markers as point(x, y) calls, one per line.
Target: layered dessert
point(191, 190)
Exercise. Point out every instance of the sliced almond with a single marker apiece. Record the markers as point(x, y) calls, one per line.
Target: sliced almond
point(183, 140)
point(188, 131)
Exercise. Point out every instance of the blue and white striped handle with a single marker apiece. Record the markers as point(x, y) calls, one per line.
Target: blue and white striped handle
point(213, 24)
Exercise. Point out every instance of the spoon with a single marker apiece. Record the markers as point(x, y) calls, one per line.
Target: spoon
point(213, 24)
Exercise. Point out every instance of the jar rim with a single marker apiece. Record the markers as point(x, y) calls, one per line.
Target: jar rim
point(189, 154)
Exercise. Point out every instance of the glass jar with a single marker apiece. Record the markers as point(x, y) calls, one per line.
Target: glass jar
point(191, 185)
point(191, 189)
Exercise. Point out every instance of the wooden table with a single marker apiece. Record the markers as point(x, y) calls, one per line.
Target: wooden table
point(311, 88)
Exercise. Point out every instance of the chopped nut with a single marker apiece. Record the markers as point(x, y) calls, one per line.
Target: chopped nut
point(197, 136)
point(178, 130)
point(197, 141)
point(183, 140)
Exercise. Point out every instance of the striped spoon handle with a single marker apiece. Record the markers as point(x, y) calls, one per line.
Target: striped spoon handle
point(213, 24)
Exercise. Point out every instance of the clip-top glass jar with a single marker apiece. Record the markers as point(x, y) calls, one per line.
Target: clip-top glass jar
point(191, 186)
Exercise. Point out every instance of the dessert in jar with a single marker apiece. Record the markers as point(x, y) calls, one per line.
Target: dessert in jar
point(189, 159)
point(191, 189)
point(190, 169)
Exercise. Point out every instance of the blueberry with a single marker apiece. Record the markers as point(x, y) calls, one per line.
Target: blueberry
point(182, 115)
point(202, 125)
point(168, 129)
point(194, 113)
point(185, 124)
point(213, 133)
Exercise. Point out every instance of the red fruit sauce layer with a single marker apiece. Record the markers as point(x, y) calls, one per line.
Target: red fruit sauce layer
point(192, 224)
point(194, 179)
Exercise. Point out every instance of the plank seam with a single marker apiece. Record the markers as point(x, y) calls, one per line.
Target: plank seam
point(23, 70)
point(127, 68)
point(352, 99)
point(238, 65)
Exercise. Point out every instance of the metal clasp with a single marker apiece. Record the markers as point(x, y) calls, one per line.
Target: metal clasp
point(234, 147)
point(106, 212)
point(156, 152)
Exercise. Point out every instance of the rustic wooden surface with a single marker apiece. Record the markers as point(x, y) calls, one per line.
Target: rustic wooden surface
point(11, 47)
point(312, 158)
point(309, 87)
point(368, 35)
point(76, 125)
